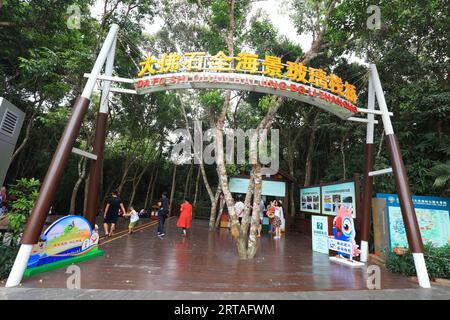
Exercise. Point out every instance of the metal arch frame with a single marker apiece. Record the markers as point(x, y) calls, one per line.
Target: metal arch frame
point(54, 174)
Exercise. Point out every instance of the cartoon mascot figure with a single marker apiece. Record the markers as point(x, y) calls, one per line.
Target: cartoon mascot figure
point(344, 229)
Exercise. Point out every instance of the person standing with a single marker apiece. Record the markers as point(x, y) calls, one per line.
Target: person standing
point(162, 214)
point(239, 209)
point(2, 201)
point(184, 221)
point(262, 208)
point(277, 220)
point(112, 209)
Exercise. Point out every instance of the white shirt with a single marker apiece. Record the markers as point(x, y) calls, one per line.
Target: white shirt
point(134, 216)
point(239, 208)
point(278, 212)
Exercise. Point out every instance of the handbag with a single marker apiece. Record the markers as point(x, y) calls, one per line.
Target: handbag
point(271, 212)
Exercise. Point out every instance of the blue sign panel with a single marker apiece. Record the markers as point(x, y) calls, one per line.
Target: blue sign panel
point(432, 215)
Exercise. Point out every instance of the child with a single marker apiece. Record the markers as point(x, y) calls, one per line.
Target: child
point(134, 218)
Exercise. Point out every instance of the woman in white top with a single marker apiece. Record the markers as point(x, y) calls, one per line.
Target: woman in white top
point(277, 220)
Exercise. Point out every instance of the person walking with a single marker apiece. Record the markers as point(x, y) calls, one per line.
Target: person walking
point(162, 213)
point(184, 221)
point(113, 207)
point(134, 218)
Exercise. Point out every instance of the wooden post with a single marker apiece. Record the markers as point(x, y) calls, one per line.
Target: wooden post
point(408, 213)
point(55, 171)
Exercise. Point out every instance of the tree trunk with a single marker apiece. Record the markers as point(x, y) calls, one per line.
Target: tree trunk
point(252, 244)
point(310, 154)
point(81, 176)
point(172, 191)
point(152, 192)
point(221, 205)
point(127, 165)
point(291, 172)
point(135, 185)
point(148, 188)
point(196, 188)
point(188, 179)
point(212, 216)
point(27, 134)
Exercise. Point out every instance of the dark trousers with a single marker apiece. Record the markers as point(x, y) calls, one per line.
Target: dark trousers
point(161, 220)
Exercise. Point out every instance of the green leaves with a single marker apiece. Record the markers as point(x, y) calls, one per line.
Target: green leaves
point(25, 191)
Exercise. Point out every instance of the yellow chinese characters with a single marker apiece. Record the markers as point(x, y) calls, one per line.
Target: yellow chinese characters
point(169, 63)
point(318, 78)
point(273, 66)
point(147, 66)
point(296, 72)
point(220, 62)
point(195, 61)
point(247, 62)
point(244, 62)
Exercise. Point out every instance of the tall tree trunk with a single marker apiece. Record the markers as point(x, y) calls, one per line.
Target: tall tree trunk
point(200, 161)
point(221, 205)
point(196, 188)
point(172, 191)
point(188, 179)
point(311, 149)
point(149, 187)
point(152, 192)
point(27, 133)
point(344, 167)
point(136, 181)
point(86, 190)
point(212, 216)
point(81, 176)
point(252, 244)
point(127, 165)
point(291, 172)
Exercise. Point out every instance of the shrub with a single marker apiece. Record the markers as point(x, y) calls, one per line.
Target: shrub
point(26, 192)
point(436, 259)
point(7, 256)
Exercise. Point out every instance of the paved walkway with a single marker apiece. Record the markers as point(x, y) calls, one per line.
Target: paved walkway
point(436, 293)
point(207, 262)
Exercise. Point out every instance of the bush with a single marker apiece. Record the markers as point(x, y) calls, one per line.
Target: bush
point(26, 192)
point(436, 259)
point(7, 256)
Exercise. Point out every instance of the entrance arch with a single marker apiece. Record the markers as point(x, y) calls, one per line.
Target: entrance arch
point(280, 86)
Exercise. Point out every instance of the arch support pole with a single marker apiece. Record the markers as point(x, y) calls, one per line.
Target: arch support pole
point(55, 171)
point(368, 180)
point(401, 179)
point(99, 143)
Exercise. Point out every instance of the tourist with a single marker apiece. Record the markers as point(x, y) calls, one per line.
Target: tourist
point(134, 218)
point(277, 220)
point(184, 221)
point(239, 209)
point(113, 207)
point(162, 213)
point(2, 201)
point(262, 208)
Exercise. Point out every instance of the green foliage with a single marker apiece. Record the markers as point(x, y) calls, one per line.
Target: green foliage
point(7, 257)
point(26, 192)
point(436, 259)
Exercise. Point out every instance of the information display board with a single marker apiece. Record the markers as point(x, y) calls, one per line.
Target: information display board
point(310, 199)
point(336, 195)
point(432, 215)
point(319, 234)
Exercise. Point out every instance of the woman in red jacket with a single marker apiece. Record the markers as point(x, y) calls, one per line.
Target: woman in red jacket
point(184, 221)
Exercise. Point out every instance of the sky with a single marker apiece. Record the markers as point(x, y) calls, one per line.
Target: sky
point(273, 8)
